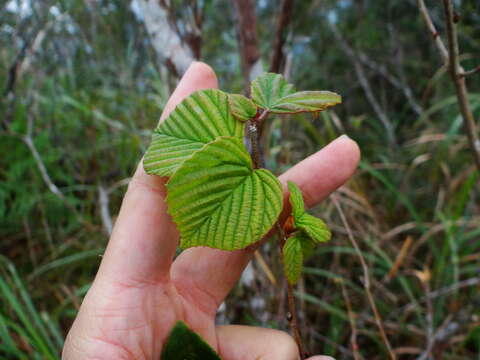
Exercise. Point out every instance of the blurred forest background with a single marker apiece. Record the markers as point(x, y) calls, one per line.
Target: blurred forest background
point(83, 83)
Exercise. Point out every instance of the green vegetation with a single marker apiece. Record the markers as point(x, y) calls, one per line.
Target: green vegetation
point(90, 87)
point(306, 232)
point(219, 195)
point(183, 343)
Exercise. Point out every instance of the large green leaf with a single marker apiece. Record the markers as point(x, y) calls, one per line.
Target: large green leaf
point(217, 199)
point(274, 94)
point(184, 344)
point(293, 258)
point(197, 120)
point(242, 107)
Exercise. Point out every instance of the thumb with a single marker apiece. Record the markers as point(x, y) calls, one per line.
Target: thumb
point(144, 238)
point(237, 342)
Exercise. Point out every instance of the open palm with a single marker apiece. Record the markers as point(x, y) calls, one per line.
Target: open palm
point(139, 292)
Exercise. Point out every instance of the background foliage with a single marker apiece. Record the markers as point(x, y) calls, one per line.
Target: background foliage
point(89, 89)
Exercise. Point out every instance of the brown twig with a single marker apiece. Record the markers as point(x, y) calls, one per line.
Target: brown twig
point(424, 277)
point(366, 280)
point(475, 281)
point(399, 259)
point(283, 21)
point(248, 42)
point(293, 319)
point(28, 140)
point(433, 31)
point(364, 83)
point(457, 73)
point(353, 326)
point(470, 72)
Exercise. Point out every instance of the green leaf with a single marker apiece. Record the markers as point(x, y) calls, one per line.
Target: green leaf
point(242, 107)
point(274, 94)
point(306, 101)
point(308, 245)
point(184, 344)
point(296, 200)
point(293, 258)
point(197, 120)
point(268, 89)
point(218, 200)
point(313, 227)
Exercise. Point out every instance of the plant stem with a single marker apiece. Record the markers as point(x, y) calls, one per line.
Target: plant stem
point(291, 299)
point(366, 281)
point(254, 132)
point(456, 71)
point(254, 126)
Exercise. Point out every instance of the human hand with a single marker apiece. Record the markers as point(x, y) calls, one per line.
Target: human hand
point(139, 292)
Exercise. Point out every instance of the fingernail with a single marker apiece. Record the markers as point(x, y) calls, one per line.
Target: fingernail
point(344, 136)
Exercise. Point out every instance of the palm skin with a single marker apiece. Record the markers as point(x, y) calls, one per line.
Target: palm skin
point(139, 292)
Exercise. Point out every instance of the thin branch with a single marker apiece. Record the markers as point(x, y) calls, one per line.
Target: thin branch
point(366, 281)
point(13, 70)
point(433, 31)
point(462, 93)
point(327, 340)
point(248, 42)
point(457, 73)
point(399, 62)
point(362, 78)
point(41, 167)
point(470, 72)
point(27, 139)
point(293, 319)
point(398, 83)
point(424, 277)
point(165, 39)
point(443, 291)
point(353, 326)
point(283, 21)
point(447, 330)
